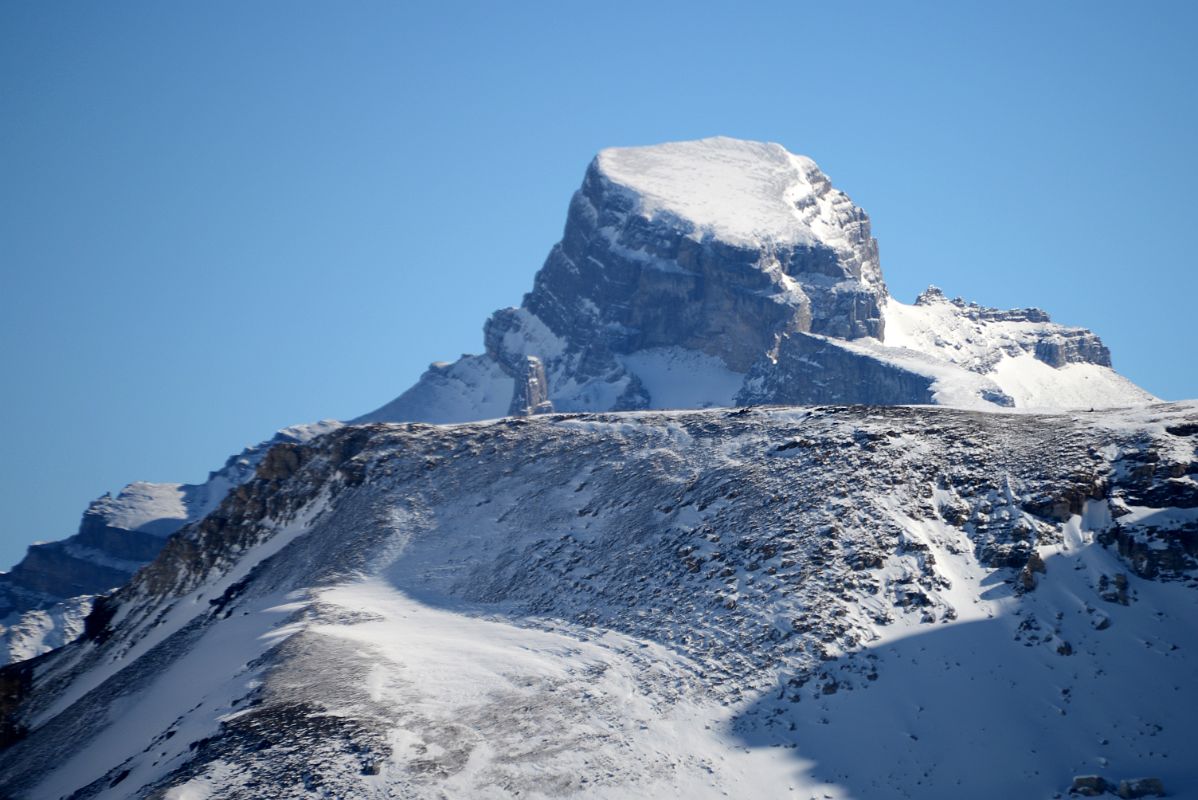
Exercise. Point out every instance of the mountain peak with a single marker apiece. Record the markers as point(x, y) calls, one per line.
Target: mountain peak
point(754, 195)
point(720, 271)
point(741, 191)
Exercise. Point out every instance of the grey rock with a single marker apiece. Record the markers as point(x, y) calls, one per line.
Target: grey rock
point(1055, 345)
point(810, 369)
point(934, 294)
point(1141, 787)
point(531, 395)
point(1089, 786)
point(1114, 591)
point(1073, 347)
point(626, 283)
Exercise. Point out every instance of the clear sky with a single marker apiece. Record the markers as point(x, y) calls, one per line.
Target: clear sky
point(220, 218)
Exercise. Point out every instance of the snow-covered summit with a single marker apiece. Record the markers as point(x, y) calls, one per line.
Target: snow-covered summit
point(742, 192)
point(722, 272)
point(142, 504)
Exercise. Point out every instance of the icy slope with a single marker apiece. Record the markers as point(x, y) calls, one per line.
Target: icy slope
point(686, 604)
point(721, 271)
point(45, 597)
point(1021, 354)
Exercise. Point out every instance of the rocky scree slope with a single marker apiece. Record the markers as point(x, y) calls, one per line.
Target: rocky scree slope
point(687, 603)
point(721, 272)
point(45, 598)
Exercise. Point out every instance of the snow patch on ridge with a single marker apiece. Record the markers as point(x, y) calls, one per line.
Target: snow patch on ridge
point(974, 361)
point(471, 388)
point(143, 504)
point(679, 378)
point(1033, 384)
point(737, 191)
point(593, 698)
point(182, 610)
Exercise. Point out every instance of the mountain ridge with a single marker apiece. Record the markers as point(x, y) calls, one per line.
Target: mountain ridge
point(46, 596)
point(610, 581)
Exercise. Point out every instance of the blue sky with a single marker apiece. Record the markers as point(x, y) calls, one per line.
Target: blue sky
point(217, 219)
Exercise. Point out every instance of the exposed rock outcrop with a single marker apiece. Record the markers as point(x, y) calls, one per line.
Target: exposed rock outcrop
point(531, 395)
point(1089, 786)
point(809, 369)
point(709, 272)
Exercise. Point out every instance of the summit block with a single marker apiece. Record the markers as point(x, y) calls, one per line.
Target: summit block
point(723, 272)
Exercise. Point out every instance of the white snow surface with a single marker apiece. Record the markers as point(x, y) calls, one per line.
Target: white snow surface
point(471, 388)
point(581, 697)
point(677, 377)
point(163, 508)
point(970, 358)
point(1035, 385)
point(532, 337)
point(41, 630)
point(940, 329)
point(738, 191)
point(142, 503)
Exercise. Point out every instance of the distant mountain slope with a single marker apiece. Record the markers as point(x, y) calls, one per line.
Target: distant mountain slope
point(831, 601)
point(45, 597)
point(722, 272)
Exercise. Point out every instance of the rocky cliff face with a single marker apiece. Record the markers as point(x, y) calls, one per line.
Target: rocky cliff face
point(811, 369)
point(45, 597)
point(842, 601)
point(709, 273)
point(640, 266)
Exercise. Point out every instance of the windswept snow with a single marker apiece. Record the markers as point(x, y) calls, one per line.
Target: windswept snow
point(153, 506)
point(1033, 384)
point(737, 191)
point(471, 388)
point(974, 360)
point(541, 708)
point(676, 377)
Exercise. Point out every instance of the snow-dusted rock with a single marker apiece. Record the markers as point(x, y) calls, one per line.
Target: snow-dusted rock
point(44, 597)
point(41, 630)
point(531, 395)
point(684, 604)
point(817, 369)
point(741, 260)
